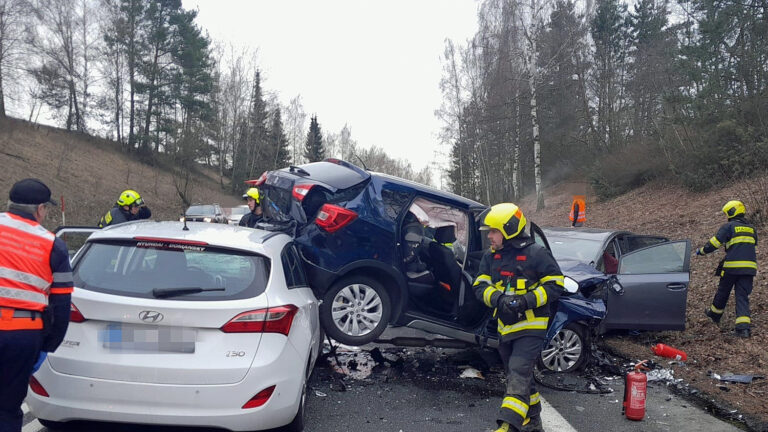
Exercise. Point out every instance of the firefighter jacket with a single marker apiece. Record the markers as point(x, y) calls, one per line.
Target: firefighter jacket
point(525, 268)
point(116, 215)
point(739, 239)
point(250, 220)
point(35, 275)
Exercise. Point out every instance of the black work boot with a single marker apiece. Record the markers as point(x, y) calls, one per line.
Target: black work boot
point(713, 316)
point(743, 333)
point(533, 425)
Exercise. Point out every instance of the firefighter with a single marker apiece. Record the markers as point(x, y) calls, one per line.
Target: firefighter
point(737, 269)
point(254, 204)
point(129, 207)
point(578, 213)
point(35, 288)
point(518, 278)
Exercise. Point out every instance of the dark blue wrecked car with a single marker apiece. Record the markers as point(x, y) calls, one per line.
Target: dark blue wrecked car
point(380, 250)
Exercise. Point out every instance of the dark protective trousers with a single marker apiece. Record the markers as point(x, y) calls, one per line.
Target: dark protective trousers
point(19, 350)
point(743, 288)
point(519, 357)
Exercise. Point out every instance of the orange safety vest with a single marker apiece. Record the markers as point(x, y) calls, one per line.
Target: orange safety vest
point(582, 216)
point(25, 264)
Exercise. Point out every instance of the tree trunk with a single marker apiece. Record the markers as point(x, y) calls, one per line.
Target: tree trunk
point(532, 76)
point(2, 95)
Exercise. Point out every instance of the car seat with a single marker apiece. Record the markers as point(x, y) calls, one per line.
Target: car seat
point(446, 269)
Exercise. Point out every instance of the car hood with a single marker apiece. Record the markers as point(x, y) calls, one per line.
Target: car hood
point(582, 273)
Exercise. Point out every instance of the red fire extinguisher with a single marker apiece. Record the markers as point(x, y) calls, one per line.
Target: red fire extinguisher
point(635, 386)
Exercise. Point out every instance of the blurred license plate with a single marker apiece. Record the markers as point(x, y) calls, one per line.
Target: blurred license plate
point(147, 338)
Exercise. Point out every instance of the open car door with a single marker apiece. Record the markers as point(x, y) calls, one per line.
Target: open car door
point(655, 283)
point(74, 237)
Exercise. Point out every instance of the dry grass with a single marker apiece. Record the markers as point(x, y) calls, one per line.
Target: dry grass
point(91, 172)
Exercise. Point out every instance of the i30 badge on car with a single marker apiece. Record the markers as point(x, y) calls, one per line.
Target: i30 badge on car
point(150, 316)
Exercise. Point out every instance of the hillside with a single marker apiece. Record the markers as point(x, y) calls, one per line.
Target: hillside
point(91, 172)
point(679, 214)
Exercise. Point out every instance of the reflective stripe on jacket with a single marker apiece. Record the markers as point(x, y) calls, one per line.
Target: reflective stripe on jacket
point(739, 239)
point(581, 214)
point(525, 268)
point(25, 269)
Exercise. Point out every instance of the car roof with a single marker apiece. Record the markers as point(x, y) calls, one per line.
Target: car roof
point(595, 234)
point(214, 234)
point(430, 191)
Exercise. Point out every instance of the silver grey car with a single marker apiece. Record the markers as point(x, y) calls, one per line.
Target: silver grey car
point(653, 270)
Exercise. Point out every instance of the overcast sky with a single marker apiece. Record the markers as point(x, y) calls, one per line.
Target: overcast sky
point(374, 65)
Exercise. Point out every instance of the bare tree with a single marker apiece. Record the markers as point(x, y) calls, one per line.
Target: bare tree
point(61, 69)
point(12, 16)
point(296, 126)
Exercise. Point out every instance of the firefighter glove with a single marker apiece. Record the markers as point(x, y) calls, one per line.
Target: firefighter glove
point(511, 306)
point(699, 252)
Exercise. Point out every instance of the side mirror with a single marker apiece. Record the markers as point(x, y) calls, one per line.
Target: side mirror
point(615, 285)
point(571, 286)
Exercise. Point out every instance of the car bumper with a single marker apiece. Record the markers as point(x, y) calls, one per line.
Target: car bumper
point(82, 398)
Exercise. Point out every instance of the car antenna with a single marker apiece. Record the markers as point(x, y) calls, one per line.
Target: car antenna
point(184, 219)
point(361, 161)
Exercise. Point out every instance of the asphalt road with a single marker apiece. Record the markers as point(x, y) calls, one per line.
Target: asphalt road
point(421, 390)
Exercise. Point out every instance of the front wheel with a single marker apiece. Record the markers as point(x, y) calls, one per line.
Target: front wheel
point(355, 311)
point(567, 351)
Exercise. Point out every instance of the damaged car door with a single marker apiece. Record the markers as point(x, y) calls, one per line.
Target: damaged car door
point(655, 282)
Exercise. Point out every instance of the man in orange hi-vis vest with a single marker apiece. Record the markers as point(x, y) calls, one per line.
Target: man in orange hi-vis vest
point(35, 287)
point(578, 211)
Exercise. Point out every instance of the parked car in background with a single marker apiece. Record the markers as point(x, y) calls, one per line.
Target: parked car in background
point(210, 326)
point(212, 213)
point(236, 213)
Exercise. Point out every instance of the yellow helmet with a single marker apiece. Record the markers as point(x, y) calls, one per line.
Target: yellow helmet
point(505, 217)
point(130, 197)
point(252, 193)
point(734, 208)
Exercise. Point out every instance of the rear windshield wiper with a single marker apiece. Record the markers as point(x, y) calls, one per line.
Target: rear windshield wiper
point(180, 291)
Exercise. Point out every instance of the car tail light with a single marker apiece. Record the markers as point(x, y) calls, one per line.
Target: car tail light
point(37, 388)
point(271, 320)
point(259, 181)
point(74, 314)
point(332, 217)
point(301, 191)
point(260, 399)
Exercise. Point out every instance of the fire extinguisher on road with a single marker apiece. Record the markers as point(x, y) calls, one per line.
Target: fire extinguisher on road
point(635, 387)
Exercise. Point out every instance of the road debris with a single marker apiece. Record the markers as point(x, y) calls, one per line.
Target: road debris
point(729, 377)
point(470, 372)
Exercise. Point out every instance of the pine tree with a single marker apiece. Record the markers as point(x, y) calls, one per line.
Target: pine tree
point(313, 149)
point(278, 142)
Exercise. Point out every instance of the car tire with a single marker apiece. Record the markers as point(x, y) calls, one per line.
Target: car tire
point(567, 351)
point(54, 425)
point(341, 313)
point(297, 424)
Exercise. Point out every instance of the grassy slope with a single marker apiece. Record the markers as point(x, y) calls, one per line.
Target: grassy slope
point(90, 173)
point(679, 214)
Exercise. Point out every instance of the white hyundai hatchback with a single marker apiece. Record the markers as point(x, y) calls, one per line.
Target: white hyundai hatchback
point(213, 325)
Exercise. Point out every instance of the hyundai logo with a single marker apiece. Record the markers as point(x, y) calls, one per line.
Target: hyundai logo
point(150, 316)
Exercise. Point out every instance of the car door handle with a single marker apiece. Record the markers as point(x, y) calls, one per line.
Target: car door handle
point(676, 286)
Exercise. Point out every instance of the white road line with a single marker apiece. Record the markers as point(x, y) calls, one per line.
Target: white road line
point(551, 419)
point(33, 426)
point(24, 408)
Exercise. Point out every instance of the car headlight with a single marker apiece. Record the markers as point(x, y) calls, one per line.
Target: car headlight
point(207, 219)
point(181, 219)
